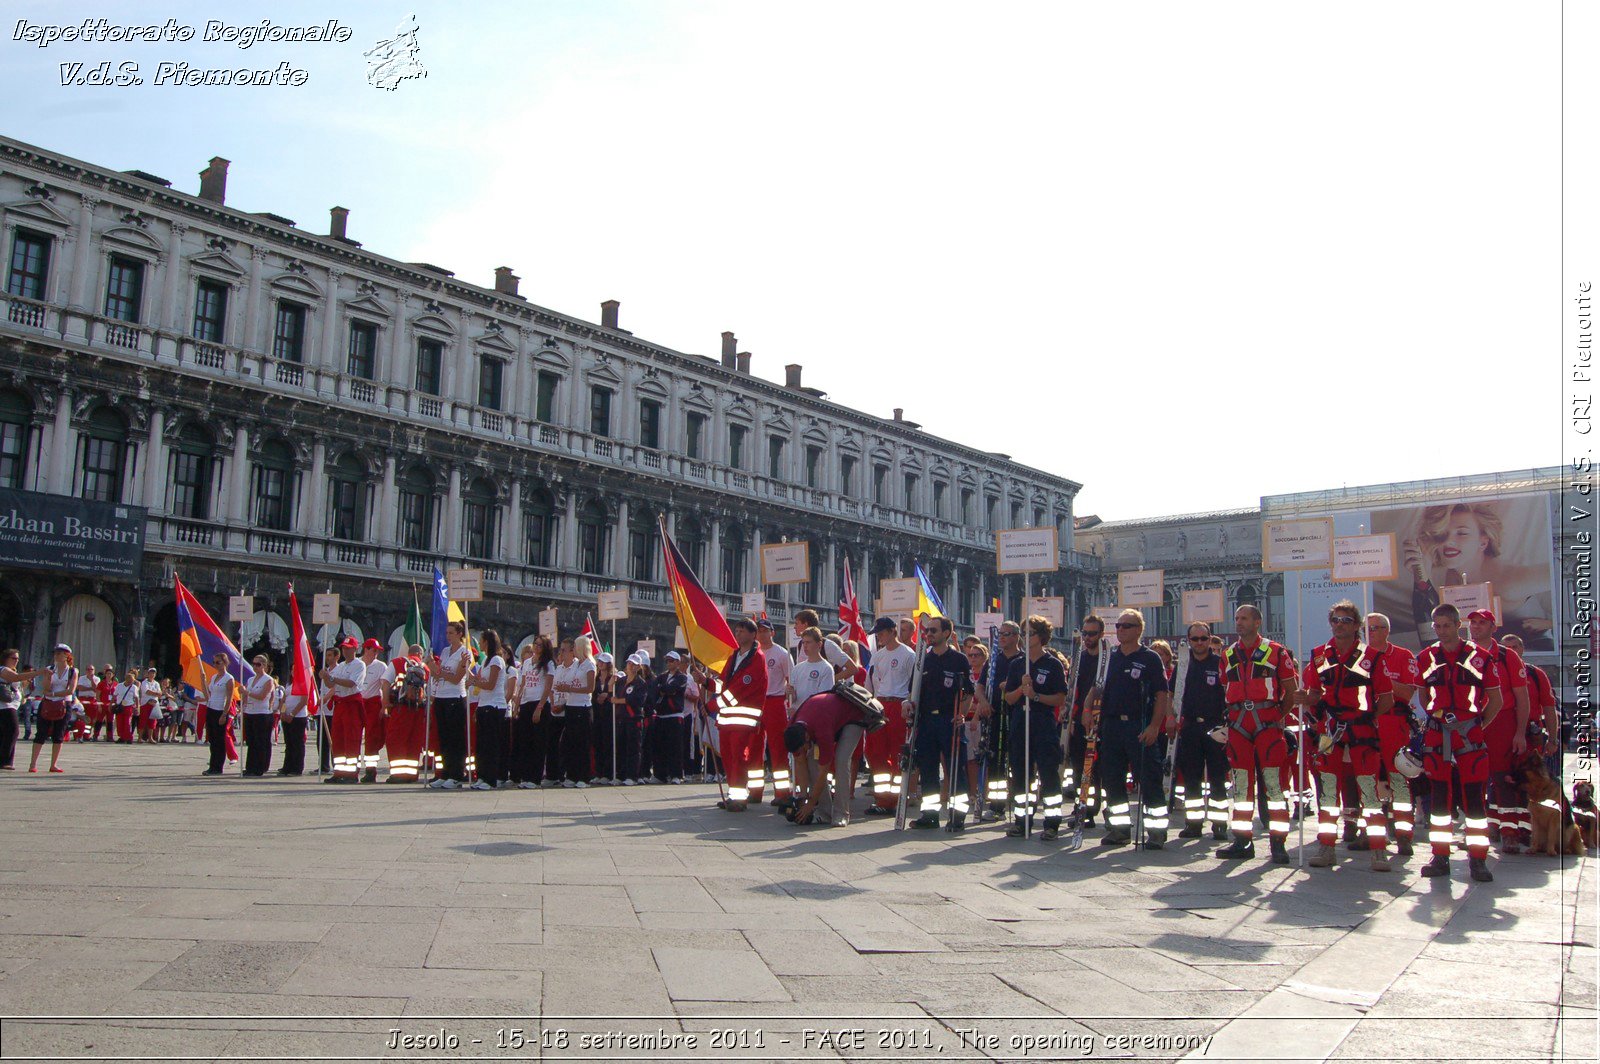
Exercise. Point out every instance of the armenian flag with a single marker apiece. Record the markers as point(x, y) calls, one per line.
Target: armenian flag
point(199, 641)
point(705, 629)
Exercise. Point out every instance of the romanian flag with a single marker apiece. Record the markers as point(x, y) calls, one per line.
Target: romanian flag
point(928, 604)
point(200, 640)
point(705, 629)
point(303, 678)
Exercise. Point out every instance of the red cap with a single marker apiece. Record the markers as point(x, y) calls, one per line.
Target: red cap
point(372, 644)
point(349, 642)
point(1482, 615)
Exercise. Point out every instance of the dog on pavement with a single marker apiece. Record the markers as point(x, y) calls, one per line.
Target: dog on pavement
point(1555, 829)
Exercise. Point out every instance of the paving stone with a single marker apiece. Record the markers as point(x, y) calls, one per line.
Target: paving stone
point(717, 975)
point(231, 967)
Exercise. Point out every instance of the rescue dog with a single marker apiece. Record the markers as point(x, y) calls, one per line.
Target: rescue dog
point(1555, 831)
point(1584, 813)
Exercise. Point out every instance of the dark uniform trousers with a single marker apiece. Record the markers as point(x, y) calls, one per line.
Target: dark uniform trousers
point(1119, 751)
point(1043, 756)
point(934, 730)
point(1202, 758)
point(294, 746)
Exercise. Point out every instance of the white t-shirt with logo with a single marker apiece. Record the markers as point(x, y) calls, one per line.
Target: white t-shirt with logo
point(779, 666)
point(493, 697)
point(810, 678)
point(889, 675)
point(578, 673)
point(379, 675)
point(354, 670)
point(258, 695)
point(449, 661)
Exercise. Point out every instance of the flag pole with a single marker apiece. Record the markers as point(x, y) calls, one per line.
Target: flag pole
point(324, 713)
point(472, 656)
point(613, 700)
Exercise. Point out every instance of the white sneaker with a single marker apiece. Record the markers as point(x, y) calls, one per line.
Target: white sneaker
point(446, 784)
point(526, 786)
point(479, 785)
point(582, 786)
point(595, 781)
point(630, 783)
point(654, 779)
point(678, 779)
point(550, 783)
point(568, 784)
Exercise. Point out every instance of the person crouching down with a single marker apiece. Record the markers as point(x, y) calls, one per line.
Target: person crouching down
point(826, 730)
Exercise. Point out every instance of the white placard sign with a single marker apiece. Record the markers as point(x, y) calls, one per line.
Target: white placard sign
point(679, 639)
point(1287, 546)
point(325, 608)
point(1026, 550)
point(1469, 597)
point(897, 594)
point(241, 608)
point(786, 563)
point(612, 606)
point(1205, 606)
point(464, 585)
point(1357, 558)
point(982, 622)
point(547, 623)
point(1146, 587)
point(1109, 615)
point(753, 602)
point(649, 647)
point(1052, 608)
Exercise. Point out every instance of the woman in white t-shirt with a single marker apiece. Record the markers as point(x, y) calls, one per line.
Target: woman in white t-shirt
point(221, 693)
point(492, 737)
point(578, 685)
point(60, 681)
point(554, 717)
point(450, 707)
point(533, 691)
point(258, 711)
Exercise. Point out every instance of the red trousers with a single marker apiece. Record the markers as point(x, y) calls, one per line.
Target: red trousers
point(228, 745)
point(344, 735)
point(370, 732)
point(125, 724)
point(403, 732)
point(774, 719)
point(737, 743)
point(883, 755)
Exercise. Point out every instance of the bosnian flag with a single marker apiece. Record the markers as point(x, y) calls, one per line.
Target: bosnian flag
point(199, 641)
point(303, 682)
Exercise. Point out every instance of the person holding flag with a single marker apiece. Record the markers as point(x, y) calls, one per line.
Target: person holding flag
point(345, 681)
point(302, 701)
point(205, 656)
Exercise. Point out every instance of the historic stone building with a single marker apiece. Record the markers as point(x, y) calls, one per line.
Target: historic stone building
point(290, 406)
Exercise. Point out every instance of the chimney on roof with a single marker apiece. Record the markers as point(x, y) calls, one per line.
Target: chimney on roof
point(608, 313)
point(899, 414)
point(214, 181)
point(742, 361)
point(792, 375)
point(729, 346)
point(505, 281)
point(338, 218)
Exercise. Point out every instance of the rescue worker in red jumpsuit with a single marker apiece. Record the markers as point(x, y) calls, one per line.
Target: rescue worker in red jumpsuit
point(1394, 731)
point(1258, 688)
point(744, 690)
point(1506, 734)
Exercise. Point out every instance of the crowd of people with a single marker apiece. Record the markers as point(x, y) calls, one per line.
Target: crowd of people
point(1127, 738)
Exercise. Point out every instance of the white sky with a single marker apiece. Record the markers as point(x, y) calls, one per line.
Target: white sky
point(1185, 254)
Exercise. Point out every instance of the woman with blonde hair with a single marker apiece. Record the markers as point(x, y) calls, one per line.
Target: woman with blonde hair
point(258, 715)
point(579, 686)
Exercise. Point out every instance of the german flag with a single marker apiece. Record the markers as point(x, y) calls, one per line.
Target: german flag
point(704, 627)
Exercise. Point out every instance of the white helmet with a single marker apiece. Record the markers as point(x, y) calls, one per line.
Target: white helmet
point(1406, 763)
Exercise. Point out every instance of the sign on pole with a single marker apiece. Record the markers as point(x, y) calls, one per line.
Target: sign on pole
point(1146, 587)
point(613, 606)
point(1357, 558)
point(464, 585)
point(753, 602)
point(786, 563)
point(325, 608)
point(1287, 546)
point(679, 639)
point(547, 623)
point(1108, 614)
point(1469, 597)
point(982, 622)
point(1026, 550)
point(1205, 606)
point(1052, 608)
point(898, 593)
point(241, 608)
point(649, 647)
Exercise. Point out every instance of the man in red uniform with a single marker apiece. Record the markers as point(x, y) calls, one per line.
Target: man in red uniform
point(1394, 729)
point(823, 738)
point(1461, 690)
point(1258, 688)
point(744, 690)
point(1347, 691)
point(1506, 732)
point(376, 689)
point(406, 719)
point(344, 683)
point(775, 715)
point(1544, 714)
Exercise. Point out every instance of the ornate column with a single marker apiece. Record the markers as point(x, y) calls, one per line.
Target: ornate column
point(400, 371)
point(714, 561)
point(569, 533)
point(155, 462)
point(254, 297)
point(452, 513)
point(329, 357)
point(619, 549)
point(61, 458)
point(84, 274)
point(313, 517)
point(238, 475)
point(172, 292)
point(513, 528)
point(388, 503)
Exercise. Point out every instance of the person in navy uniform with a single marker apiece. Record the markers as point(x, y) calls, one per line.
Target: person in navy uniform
point(1036, 689)
point(946, 685)
point(1132, 713)
point(1201, 763)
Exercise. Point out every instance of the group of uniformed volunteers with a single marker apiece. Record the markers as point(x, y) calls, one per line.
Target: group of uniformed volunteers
point(1363, 734)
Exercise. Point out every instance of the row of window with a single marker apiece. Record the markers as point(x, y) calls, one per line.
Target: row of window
point(30, 256)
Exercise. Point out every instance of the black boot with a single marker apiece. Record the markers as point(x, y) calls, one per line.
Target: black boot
point(1402, 846)
point(1280, 854)
point(1479, 869)
point(1240, 848)
point(1219, 832)
point(1190, 831)
point(1439, 866)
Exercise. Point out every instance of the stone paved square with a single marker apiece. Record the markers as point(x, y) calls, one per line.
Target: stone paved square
point(146, 911)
